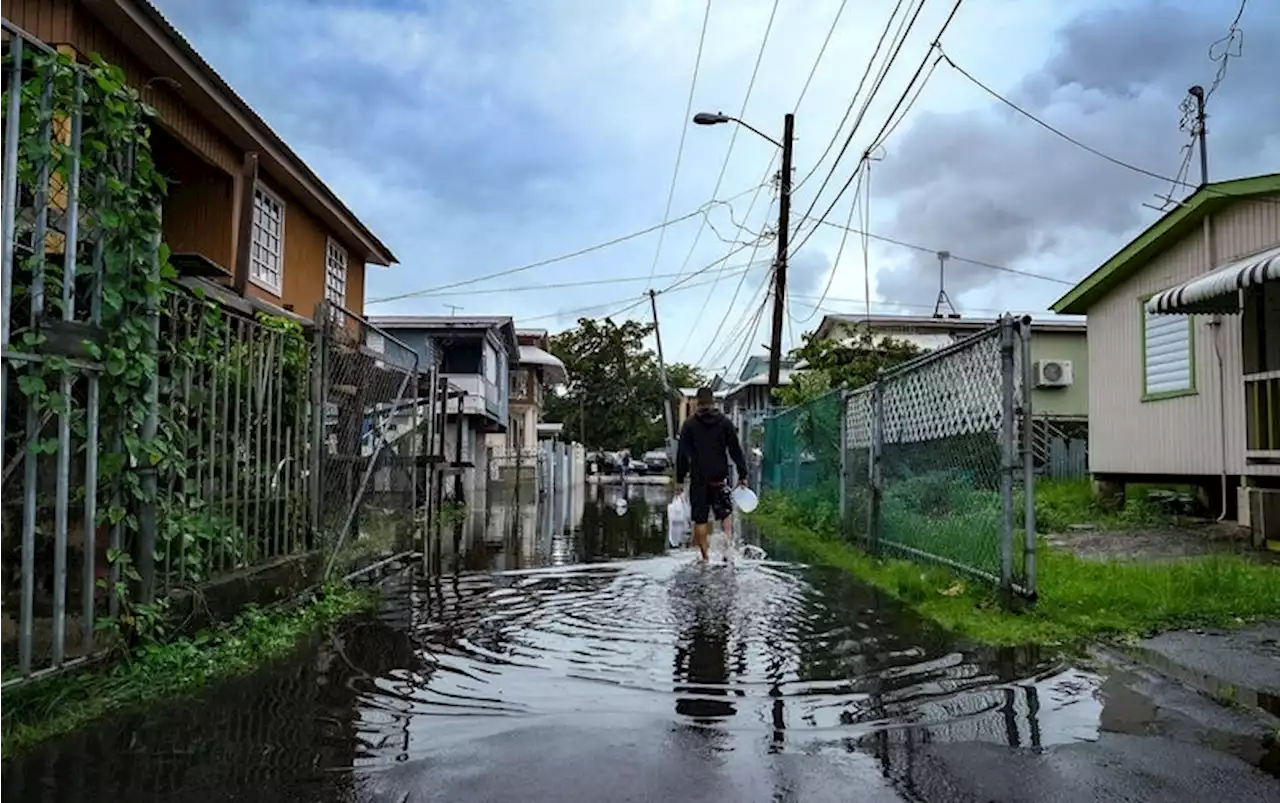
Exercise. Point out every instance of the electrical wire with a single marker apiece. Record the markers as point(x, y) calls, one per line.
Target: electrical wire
point(844, 235)
point(822, 51)
point(1059, 133)
point(728, 310)
point(879, 143)
point(888, 120)
point(561, 258)
point(733, 137)
point(954, 257)
point(1226, 51)
point(856, 93)
point(643, 299)
point(717, 349)
point(730, 270)
point(684, 129)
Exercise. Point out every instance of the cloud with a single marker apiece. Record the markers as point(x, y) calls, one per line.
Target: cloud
point(478, 136)
point(993, 185)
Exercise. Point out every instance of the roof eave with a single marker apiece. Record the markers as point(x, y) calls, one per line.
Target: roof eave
point(1159, 236)
point(201, 77)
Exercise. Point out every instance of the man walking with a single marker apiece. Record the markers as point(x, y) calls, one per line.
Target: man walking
point(707, 442)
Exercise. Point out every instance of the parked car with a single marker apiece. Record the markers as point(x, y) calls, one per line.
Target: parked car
point(657, 461)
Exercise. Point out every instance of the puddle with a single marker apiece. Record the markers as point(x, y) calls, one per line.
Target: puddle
point(577, 636)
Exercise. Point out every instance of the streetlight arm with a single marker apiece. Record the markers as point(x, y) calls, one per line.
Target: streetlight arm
point(756, 131)
point(707, 118)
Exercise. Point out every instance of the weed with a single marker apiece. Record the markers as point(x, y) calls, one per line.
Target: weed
point(1078, 598)
point(39, 711)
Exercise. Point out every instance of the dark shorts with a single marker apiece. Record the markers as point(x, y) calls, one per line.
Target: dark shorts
point(706, 499)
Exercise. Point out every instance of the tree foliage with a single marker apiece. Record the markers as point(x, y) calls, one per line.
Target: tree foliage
point(614, 396)
point(850, 364)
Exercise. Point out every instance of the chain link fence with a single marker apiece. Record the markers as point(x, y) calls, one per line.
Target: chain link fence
point(379, 422)
point(930, 462)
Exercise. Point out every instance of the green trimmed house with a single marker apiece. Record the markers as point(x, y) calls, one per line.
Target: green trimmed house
point(1184, 351)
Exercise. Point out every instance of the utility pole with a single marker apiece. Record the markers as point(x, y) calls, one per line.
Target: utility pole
point(662, 369)
point(453, 309)
point(780, 266)
point(1197, 92)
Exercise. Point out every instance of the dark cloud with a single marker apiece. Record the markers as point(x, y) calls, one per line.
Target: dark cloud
point(992, 185)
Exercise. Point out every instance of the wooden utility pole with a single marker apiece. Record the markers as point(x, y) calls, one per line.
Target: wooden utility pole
point(666, 387)
point(780, 266)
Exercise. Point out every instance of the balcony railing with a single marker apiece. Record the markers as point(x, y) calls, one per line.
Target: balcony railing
point(1262, 415)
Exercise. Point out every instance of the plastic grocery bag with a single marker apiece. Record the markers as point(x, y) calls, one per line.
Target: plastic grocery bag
point(678, 526)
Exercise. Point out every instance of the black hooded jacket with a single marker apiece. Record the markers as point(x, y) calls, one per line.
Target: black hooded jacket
point(707, 441)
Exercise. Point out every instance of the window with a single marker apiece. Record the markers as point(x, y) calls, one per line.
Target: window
point(1168, 361)
point(266, 258)
point(335, 273)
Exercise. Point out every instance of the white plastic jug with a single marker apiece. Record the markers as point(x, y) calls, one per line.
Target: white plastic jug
point(745, 499)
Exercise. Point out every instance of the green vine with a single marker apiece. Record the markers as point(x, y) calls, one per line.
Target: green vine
point(120, 195)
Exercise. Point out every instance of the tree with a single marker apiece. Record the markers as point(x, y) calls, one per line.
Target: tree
point(683, 375)
point(614, 396)
point(834, 364)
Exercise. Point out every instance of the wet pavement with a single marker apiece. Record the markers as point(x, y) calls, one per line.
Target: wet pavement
point(571, 659)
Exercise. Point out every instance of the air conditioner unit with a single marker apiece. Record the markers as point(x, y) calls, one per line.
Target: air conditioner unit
point(1053, 373)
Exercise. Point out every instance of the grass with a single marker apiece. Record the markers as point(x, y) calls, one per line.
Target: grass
point(59, 705)
point(1078, 599)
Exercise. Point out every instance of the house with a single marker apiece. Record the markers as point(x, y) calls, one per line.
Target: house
point(748, 401)
point(244, 215)
point(474, 355)
point(1184, 350)
point(535, 371)
point(1060, 395)
point(686, 406)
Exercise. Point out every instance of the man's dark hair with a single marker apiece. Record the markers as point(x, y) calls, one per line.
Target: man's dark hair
point(706, 398)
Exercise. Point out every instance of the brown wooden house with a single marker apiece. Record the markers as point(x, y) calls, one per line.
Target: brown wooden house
point(243, 211)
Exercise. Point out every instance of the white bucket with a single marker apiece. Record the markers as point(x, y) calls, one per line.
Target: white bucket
point(745, 499)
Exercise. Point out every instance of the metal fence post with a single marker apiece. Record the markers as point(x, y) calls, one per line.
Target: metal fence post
point(147, 511)
point(844, 463)
point(1008, 452)
point(1028, 461)
point(875, 480)
point(314, 464)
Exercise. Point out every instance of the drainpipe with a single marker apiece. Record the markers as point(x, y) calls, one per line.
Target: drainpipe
point(1216, 324)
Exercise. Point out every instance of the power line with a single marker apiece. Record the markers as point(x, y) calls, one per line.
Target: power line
point(897, 105)
point(552, 260)
point(844, 235)
point(733, 137)
point(684, 129)
point(954, 257)
point(731, 270)
point(1056, 131)
point(856, 93)
point(1228, 47)
point(711, 341)
point(643, 299)
point(822, 51)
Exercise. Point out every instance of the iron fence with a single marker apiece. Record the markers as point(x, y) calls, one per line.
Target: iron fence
point(238, 439)
point(933, 461)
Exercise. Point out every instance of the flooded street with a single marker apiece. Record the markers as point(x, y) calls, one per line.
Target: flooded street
point(572, 659)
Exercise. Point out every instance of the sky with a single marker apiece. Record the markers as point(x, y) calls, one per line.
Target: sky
point(478, 137)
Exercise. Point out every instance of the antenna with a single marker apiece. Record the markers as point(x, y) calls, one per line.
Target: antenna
point(943, 298)
point(453, 309)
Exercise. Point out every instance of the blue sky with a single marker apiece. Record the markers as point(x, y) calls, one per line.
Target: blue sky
point(475, 137)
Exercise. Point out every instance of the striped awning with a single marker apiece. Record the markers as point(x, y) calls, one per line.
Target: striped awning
point(1219, 291)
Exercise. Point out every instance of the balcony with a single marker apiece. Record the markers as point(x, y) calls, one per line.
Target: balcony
point(483, 397)
point(1262, 417)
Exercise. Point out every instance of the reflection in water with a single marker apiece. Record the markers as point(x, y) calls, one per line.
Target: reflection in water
point(739, 665)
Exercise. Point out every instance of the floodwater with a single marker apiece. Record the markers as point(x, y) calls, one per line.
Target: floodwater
point(572, 659)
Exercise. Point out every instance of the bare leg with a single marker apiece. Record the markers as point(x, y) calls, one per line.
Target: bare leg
point(701, 534)
point(727, 525)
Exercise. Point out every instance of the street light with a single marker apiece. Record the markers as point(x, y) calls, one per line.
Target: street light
point(784, 223)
